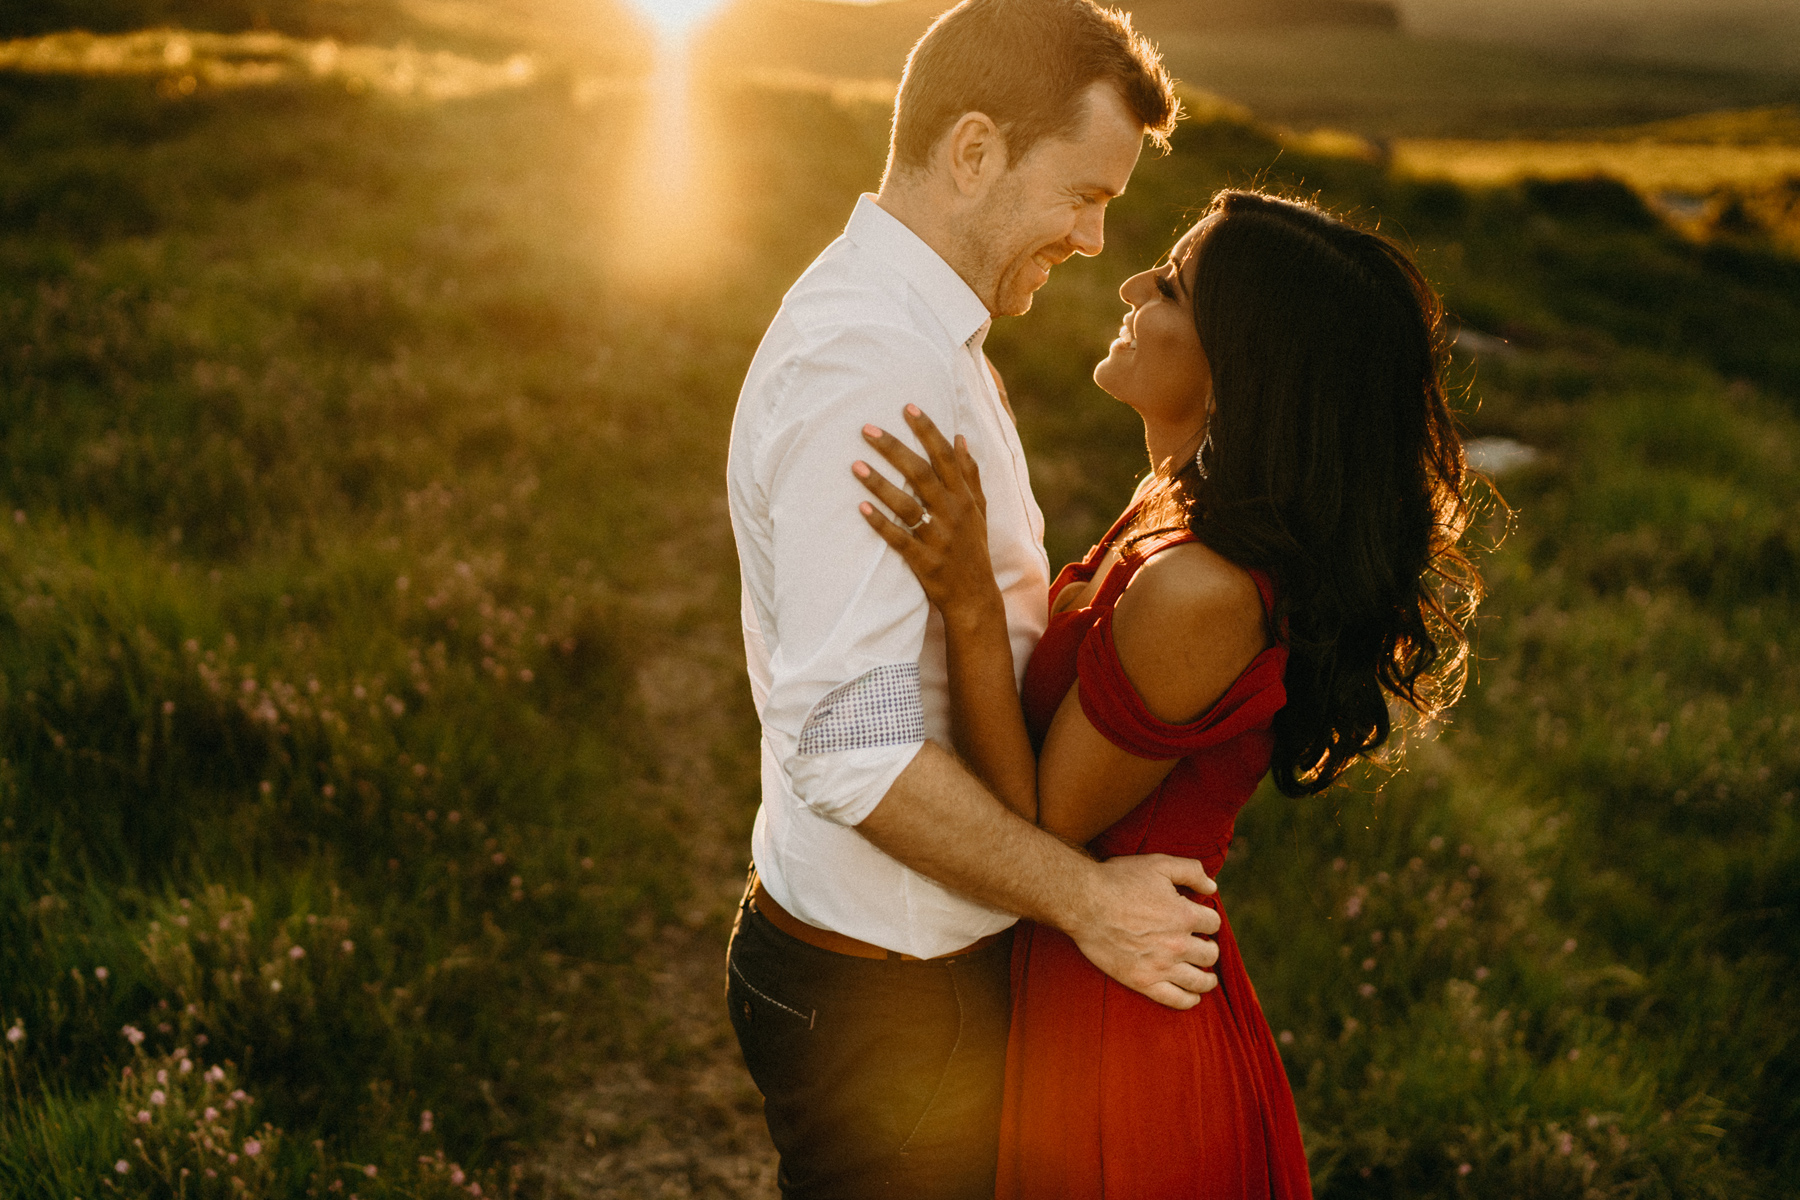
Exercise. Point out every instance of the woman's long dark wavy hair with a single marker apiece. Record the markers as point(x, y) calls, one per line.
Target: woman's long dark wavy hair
point(1335, 466)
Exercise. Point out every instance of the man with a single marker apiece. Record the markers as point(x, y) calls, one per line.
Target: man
point(867, 976)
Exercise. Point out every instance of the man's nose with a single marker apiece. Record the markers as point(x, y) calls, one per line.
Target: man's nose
point(1089, 236)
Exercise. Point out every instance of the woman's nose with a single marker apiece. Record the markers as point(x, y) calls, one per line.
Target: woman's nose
point(1134, 290)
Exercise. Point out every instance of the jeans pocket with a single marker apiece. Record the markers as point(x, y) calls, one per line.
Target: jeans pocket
point(773, 1034)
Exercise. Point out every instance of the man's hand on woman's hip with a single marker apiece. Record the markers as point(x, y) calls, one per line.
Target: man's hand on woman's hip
point(1137, 928)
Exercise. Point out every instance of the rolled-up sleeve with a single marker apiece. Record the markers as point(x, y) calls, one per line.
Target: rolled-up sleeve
point(844, 712)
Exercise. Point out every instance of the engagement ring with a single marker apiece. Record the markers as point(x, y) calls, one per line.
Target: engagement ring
point(922, 522)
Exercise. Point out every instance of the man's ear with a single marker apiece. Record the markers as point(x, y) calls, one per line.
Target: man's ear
point(977, 153)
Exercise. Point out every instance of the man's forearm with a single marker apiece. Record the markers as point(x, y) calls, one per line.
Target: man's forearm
point(1125, 915)
point(939, 820)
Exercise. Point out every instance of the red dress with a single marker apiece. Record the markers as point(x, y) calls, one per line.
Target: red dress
point(1109, 1093)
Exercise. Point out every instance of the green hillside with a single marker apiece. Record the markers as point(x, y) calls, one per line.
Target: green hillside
point(348, 503)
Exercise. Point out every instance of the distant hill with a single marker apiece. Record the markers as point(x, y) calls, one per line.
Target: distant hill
point(1154, 16)
point(871, 40)
point(611, 30)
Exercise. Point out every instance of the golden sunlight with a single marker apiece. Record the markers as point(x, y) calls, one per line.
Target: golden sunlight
point(669, 212)
point(675, 17)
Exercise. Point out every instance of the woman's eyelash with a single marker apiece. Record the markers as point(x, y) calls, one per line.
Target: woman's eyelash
point(1165, 287)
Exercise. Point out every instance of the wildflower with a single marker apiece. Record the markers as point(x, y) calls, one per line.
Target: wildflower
point(349, 946)
point(297, 953)
point(1437, 843)
point(101, 973)
point(1353, 907)
point(162, 1077)
point(525, 675)
point(1464, 1169)
point(16, 1034)
point(274, 985)
point(1368, 964)
point(211, 1114)
point(215, 1075)
point(252, 1147)
point(143, 1117)
point(133, 1035)
point(240, 1096)
point(1565, 1143)
point(499, 858)
point(456, 1174)
point(1569, 946)
point(186, 1066)
point(232, 1159)
point(1481, 973)
point(1366, 990)
point(1285, 1037)
point(425, 1121)
point(474, 1189)
point(211, 1174)
point(328, 791)
point(1574, 1053)
point(122, 1167)
point(168, 707)
point(370, 1170)
point(159, 1097)
point(587, 864)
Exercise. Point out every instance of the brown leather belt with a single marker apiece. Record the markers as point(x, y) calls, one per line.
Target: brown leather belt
point(841, 943)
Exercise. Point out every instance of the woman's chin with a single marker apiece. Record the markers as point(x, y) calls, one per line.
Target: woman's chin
point(1109, 373)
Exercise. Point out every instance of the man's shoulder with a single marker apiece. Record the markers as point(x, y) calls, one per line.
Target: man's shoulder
point(846, 298)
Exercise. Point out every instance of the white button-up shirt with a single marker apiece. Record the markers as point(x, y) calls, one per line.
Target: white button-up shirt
point(846, 656)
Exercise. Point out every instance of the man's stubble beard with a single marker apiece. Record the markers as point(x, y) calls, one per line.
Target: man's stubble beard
point(987, 247)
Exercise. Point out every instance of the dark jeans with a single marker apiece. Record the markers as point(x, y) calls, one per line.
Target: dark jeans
point(879, 1078)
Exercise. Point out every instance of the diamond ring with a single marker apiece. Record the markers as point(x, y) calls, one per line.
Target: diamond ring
point(922, 522)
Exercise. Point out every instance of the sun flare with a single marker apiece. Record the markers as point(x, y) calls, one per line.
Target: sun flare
point(673, 18)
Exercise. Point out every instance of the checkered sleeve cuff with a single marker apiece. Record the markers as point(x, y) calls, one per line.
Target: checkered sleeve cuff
point(878, 708)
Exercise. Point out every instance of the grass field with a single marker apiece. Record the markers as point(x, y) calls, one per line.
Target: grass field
point(352, 496)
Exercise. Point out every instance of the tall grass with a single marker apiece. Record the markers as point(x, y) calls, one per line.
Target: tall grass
point(317, 750)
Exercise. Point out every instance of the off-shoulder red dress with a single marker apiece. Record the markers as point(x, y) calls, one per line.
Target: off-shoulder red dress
point(1109, 1093)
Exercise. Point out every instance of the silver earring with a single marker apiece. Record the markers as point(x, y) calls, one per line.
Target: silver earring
point(1200, 454)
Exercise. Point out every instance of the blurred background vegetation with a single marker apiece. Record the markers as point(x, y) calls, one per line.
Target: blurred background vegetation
point(362, 523)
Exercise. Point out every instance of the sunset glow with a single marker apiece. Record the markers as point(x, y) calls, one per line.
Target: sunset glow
point(675, 17)
point(669, 208)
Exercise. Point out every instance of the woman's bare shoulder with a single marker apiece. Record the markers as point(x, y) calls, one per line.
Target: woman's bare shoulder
point(1185, 628)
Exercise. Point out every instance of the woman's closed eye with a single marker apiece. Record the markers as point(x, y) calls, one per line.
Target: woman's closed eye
point(1165, 287)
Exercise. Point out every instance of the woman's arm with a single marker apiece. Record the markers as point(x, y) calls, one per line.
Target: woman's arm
point(950, 557)
point(1185, 628)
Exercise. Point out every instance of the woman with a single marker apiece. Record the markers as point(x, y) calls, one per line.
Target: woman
point(1290, 563)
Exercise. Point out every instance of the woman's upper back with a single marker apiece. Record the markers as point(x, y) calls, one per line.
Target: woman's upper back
point(1148, 688)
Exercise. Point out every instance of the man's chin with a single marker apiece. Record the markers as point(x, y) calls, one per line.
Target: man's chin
point(1016, 305)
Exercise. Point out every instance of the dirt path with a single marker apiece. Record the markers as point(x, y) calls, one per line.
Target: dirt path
point(689, 1123)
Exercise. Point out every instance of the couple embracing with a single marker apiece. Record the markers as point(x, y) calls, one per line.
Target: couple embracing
point(954, 740)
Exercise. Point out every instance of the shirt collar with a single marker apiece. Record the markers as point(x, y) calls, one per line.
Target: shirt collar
point(964, 317)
